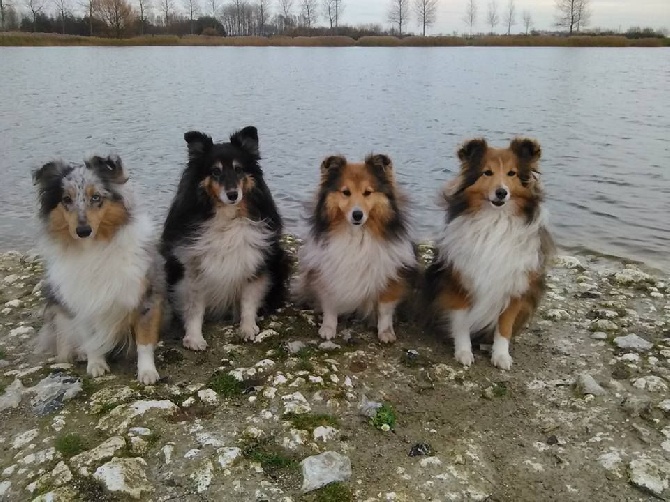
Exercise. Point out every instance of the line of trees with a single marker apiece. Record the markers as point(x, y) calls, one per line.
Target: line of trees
point(120, 18)
point(572, 15)
point(138, 17)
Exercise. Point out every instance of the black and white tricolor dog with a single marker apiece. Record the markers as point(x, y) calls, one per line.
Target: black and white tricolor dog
point(221, 239)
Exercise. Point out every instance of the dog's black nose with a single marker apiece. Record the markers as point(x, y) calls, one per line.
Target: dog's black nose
point(357, 215)
point(84, 231)
point(232, 195)
point(501, 193)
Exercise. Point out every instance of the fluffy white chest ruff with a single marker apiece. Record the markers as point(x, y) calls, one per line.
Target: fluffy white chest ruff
point(102, 282)
point(493, 252)
point(354, 267)
point(226, 255)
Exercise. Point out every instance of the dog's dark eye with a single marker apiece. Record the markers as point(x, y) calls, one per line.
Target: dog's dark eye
point(216, 172)
point(95, 198)
point(67, 200)
point(346, 192)
point(488, 172)
point(367, 193)
point(511, 173)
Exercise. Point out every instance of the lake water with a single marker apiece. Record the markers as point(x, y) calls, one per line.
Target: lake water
point(601, 115)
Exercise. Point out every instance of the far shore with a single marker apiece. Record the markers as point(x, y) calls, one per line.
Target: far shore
point(21, 39)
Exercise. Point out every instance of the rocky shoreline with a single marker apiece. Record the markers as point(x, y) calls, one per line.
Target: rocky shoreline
point(583, 414)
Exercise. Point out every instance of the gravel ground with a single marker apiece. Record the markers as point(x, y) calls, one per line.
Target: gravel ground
point(584, 414)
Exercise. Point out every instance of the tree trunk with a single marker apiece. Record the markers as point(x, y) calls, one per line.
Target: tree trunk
point(63, 21)
point(34, 21)
point(90, 17)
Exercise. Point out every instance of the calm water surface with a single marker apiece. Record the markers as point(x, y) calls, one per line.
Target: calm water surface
point(601, 115)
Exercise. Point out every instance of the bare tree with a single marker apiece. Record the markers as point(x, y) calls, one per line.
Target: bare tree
point(572, 14)
point(115, 13)
point(89, 8)
point(35, 7)
point(527, 21)
point(143, 6)
point(239, 8)
point(492, 15)
point(332, 10)
point(583, 14)
point(62, 8)
point(167, 8)
point(510, 16)
point(399, 14)
point(214, 5)
point(470, 17)
point(4, 7)
point(286, 7)
point(193, 9)
point(426, 13)
point(262, 15)
point(309, 15)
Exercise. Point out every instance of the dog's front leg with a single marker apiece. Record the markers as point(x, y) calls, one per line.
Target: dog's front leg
point(194, 313)
point(460, 331)
point(250, 301)
point(147, 327)
point(500, 356)
point(388, 301)
point(328, 328)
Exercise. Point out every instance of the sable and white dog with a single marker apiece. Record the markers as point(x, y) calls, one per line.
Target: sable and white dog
point(104, 278)
point(221, 239)
point(489, 271)
point(358, 257)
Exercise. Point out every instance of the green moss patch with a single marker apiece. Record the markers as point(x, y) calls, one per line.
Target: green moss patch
point(310, 421)
point(225, 385)
point(334, 492)
point(70, 444)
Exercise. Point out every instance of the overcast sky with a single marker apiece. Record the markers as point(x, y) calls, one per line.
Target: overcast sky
point(613, 14)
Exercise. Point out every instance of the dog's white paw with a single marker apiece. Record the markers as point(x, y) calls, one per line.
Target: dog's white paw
point(501, 360)
point(97, 367)
point(249, 331)
point(148, 375)
point(465, 357)
point(194, 342)
point(327, 332)
point(387, 335)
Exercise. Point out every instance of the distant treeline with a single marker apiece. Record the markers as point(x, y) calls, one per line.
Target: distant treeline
point(118, 19)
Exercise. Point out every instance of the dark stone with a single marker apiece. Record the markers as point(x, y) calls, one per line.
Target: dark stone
point(620, 371)
point(172, 356)
point(552, 440)
point(420, 449)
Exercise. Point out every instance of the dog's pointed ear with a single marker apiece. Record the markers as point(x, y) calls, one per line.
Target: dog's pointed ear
point(247, 140)
point(526, 149)
point(471, 152)
point(198, 144)
point(48, 172)
point(379, 162)
point(109, 168)
point(334, 162)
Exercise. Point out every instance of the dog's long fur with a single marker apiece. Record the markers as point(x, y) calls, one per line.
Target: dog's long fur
point(221, 239)
point(104, 277)
point(358, 256)
point(489, 271)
